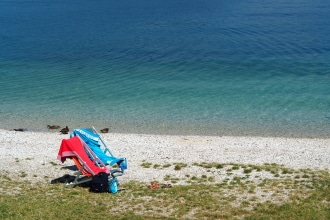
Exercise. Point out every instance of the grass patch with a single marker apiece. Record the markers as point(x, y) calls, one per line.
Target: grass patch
point(53, 163)
point(156, 166)
point(179, 166)
point(235, 197)
point(209, 165)
point(146, 165)
point(268, 191)
point(167, 165)
point(23, 174)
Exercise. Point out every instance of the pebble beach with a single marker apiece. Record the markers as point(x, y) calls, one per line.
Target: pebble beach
point(32, 156)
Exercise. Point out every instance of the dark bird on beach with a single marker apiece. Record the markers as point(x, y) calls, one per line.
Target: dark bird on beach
point(65, 130)
point(18, 129)
point(104, 130)
point(53, 126)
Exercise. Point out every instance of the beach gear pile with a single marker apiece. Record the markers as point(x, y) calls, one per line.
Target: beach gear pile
point(95, 162)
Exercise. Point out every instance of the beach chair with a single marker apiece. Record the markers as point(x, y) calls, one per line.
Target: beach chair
point(86, 161)
point(98, 146)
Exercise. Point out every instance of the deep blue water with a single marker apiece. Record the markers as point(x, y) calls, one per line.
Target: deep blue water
point(168, 67)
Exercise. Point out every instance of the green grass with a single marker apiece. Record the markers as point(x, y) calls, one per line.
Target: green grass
point(202, 197)
point(146, 164)
point(179, 166)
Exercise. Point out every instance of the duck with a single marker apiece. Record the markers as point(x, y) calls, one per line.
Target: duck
point(104, 130)
point(53, 126)
point(18, 129)
point(64, 130)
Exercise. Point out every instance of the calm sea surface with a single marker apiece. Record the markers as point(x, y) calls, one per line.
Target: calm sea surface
point(214, 67)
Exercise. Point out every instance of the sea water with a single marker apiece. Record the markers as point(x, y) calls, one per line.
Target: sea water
point(213, 67)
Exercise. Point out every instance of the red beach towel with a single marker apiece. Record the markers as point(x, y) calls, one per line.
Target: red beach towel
point(74, 148)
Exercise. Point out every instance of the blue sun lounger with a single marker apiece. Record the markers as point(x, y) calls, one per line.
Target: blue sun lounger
point(98, 146)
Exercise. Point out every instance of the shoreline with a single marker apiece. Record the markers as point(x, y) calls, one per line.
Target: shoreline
point(131, 132)
point(222, 129)
point(32, 155)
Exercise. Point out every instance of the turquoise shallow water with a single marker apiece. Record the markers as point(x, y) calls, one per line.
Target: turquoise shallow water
point(177, 67)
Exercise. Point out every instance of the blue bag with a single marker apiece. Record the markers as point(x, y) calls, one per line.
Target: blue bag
point(113, 185)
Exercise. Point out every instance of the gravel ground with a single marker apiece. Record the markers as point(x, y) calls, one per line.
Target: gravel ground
point(32, 156)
